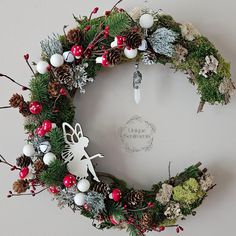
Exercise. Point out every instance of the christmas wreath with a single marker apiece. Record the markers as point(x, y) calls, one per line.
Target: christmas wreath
point(54, 158)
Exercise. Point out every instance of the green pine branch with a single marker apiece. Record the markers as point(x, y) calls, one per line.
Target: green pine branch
point(57, 141)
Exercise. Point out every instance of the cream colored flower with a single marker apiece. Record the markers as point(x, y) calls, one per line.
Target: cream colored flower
point(173, 211)
point(227, 86)
point(189, 32)
point(136, 13)
point(206, 182)
point(211, 65)
point(164, 194)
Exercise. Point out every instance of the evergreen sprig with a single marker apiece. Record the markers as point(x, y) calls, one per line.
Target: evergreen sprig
point(57, 141)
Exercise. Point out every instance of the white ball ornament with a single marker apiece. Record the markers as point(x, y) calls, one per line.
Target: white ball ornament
point(83, 185)
point(56, 60)
point(45, 147)
point(79, 199)
point(48, 158)
point(42, 67)
point(130, 53)
point(68, 56)
point(146, 21)
point(28, 150)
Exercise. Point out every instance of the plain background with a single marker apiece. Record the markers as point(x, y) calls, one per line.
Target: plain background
point(168, 101)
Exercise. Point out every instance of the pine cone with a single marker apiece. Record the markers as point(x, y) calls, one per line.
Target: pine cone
point(54, 89)
point(74, 36)
point(64, 74)
point(134, 39)
point(23, 161)
point(101, 187)
point(16, 100)
point(146, 220)
point(24, 109)
point(20, 186)
point(39, 166)
point(135, 198)
point(114, 56)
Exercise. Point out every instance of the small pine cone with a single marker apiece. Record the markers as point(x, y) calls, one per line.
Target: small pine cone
point(64, 75)
point(134, 39)
point(114, 56)
point(135, 198)
point(39, 166)
point(101, 187)
point(23, 161)
point(74, 36)
point(20, 186)
point(16, 100)
point(146, 221)
point(24, 109)
point(54, 89)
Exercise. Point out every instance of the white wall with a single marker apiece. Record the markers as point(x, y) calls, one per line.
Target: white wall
point(168, 101)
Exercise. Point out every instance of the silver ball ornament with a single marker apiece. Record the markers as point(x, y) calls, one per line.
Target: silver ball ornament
point(45, 147)
point(68, 56)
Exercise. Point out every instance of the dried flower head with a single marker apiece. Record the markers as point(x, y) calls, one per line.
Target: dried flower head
point(173, 211)
point(206, 182)
point(211, 65)
point(164, 194)
point(227, 86)
point(189, 32)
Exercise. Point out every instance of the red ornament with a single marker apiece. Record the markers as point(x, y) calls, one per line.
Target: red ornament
point(120, 41)
point(162, 228)
point(77, 51)
point(40, 131)
point(105, 62)
point(54, 189)
point(47, 126)
point(24, 172)
point(35, 107)
point(116, 195)
point(69, 181)
point(26, 56)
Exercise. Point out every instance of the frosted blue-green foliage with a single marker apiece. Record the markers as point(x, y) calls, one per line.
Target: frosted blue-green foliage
point(162, 41)
point(95, 201)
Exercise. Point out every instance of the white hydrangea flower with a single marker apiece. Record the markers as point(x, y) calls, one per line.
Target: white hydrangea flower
point(206, 182)
point(227, 86)
point(211, 65)
point(189, 32)
point(173, 211)
point(164, 194)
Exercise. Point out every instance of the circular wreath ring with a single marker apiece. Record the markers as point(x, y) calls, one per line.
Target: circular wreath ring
point(71, 60)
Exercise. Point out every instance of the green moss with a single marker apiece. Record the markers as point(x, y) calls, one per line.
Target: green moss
point(223, 68)
point(168, 22)
point(188, 192)
point(167, 223)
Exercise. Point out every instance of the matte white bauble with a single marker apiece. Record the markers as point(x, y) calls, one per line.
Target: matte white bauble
point(45, 147)
point(79, 199)
point(99, 60)
point(146, 21)
point(83, 185)
point(48, 158)
point(56, 60)
point(130, 53)
point(68, 56)
point(42, 67)
point(28, 150)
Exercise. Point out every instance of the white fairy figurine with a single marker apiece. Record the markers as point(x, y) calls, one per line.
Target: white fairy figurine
point(79, 162)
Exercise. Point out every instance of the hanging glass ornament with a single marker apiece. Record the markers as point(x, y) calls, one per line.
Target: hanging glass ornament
point(137, 79)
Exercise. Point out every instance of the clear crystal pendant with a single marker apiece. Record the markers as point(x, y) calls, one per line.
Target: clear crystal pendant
point(137, 79)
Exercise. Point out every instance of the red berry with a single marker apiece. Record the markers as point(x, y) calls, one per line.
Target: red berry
point(35, 107)
point(54, 189)
point(116, 195)
point(177, 230)
point(105, 62)
point(181, 228)
point(95, 10)
point(113, 220)
point(107, 13)
point(26, 56)
point(69, 180)
point(162, 228)
point(63, 92)
point(87, 28)
point(24, 172)
point(40, 131)
point(47, 126)
point(120, 41)
point(77, 51)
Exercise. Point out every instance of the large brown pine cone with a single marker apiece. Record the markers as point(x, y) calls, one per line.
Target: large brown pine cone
point(135, 198)
point(134, 39)
point(20, 186)
point(23, 161)
point(74, 36)
point(16, 100)
point(24, 109)
point(54, 89)
point(64, 75)
point(114, 56)
point(146, 220)
point(101, 187)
